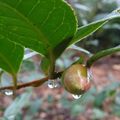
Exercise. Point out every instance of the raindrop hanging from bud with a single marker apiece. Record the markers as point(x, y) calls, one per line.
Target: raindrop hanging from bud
point(77, 96)
point(8, 92)
point(52, 84)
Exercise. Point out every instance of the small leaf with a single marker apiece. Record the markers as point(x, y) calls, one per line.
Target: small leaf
point(87, 30)
point(101, 54)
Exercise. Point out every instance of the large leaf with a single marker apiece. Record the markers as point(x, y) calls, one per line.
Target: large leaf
point(87, 30)
point(37, 24)
point(11, 55)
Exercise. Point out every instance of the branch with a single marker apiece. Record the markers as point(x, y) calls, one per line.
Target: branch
point(35, 83)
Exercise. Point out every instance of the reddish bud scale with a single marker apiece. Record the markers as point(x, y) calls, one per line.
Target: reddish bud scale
point(75, 79)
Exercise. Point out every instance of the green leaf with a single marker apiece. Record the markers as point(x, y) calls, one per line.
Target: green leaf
point(11, 55)
point(37, 24)
point(87, 30)
point(101, 54)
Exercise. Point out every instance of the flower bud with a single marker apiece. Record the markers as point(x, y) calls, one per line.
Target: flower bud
point(75, 79)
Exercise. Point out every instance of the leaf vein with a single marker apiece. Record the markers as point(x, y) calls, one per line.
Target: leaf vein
point(43, 23)
point(34, 6)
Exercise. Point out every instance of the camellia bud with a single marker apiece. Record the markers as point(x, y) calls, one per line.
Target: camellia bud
point(75, 79)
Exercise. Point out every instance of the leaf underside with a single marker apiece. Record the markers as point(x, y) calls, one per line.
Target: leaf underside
point(40, 25)
point(11, 55)
point(37, 24)
point(44, 26)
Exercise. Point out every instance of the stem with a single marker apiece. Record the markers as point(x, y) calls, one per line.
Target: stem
point(14, 85)
point(52, 64)
point(1, 72)
point(14, 81)
point(101, 54)
point(35, 83)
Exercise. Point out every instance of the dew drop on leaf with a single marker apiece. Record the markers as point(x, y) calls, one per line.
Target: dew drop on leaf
point(77, 96)
point(52, 84)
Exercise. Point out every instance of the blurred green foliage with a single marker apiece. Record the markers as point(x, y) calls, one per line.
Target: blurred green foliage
point(92, 10)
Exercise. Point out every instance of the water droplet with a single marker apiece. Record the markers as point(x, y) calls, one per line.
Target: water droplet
point(77, 96)
point(11, 117)
point(52, 84)
point(8, 92)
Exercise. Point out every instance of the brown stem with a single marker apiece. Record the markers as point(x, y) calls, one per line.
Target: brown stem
point(35, 83)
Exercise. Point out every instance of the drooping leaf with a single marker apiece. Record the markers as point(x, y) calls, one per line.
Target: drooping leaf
point(87, 30)
point(11, 55)
point(37, 24)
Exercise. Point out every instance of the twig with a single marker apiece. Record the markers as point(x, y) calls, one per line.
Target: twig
point(35, 83)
